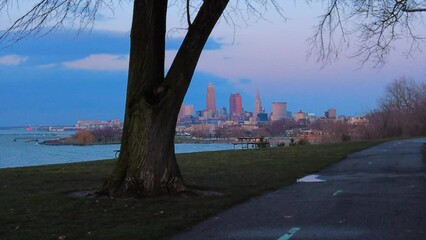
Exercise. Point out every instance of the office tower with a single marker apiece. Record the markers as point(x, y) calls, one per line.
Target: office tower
point(299, 116)
point(257, 105)
point(211, 99)
point(235, 105)
point(186, 110)
point(189, 110)
point(331, 113)
point(279, 111)
point(221, 113)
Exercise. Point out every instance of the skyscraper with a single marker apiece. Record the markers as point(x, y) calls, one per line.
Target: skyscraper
point(331, 113)
point(279, 111)
point(235, 105)
point(211, 98)
point(257, 105)
point(186, 110)
point(189, 110)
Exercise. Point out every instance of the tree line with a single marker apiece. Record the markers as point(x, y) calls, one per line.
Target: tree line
point(401, 111)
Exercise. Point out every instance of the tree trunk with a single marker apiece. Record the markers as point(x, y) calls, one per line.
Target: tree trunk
point(147, 162)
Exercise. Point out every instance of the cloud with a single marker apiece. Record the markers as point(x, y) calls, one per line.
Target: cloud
point(12, 60)
point(47, 66)
point(100, 62)
point(82, 43)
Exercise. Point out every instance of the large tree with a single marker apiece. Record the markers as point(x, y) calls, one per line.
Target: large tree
point(147, 163)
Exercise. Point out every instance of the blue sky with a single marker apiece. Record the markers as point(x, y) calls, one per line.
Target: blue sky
point(63, 77)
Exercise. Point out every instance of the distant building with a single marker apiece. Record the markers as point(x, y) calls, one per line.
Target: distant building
point(300, 116)
point(235, 105)
point(211, 99)
point(117, 123)
point(189, 110)
point(302, 119)
point(221, 113)
point(331, 113)
point(257, 105)
point(279, 111)
point(186, 110)
point(358, 120)
point(207, 114)
point(96, 124)
point(262, 117)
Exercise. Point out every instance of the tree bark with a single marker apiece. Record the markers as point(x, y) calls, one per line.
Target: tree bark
point(147, 162)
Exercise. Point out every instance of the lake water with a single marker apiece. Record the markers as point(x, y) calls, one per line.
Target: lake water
point(17, 149)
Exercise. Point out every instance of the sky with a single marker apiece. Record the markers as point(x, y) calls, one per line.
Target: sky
point(67, 76)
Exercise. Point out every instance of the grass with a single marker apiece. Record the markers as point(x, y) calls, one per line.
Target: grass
point(34, 203)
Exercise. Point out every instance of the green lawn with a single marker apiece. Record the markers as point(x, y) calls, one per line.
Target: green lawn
point(34, 203)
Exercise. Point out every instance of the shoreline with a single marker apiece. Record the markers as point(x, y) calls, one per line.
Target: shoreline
point(71, 142)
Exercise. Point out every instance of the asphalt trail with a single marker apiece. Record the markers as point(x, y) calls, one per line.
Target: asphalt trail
point(378, 193)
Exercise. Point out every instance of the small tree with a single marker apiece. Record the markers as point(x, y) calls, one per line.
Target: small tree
point(107, 135)
point(84, 137)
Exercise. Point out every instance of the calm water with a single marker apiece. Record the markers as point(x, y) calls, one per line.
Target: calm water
point(17, 149)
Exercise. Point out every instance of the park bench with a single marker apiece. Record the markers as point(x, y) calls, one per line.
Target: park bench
point(116, 153)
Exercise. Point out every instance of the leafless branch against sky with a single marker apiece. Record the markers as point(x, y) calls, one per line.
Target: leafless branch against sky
point(46, 16)
point(373, 25)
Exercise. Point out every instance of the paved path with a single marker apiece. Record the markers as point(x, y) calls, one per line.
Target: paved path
point(378, 193)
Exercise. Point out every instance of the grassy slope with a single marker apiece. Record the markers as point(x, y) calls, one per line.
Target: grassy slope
point(33, 203)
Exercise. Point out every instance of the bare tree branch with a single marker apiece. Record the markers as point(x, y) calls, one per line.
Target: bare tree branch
point(237, 11)
point(375, 24)
point(48, 15)
point(188, 15)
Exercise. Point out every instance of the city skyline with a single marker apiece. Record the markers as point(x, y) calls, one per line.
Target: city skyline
point(69, 74)
point(236, 111)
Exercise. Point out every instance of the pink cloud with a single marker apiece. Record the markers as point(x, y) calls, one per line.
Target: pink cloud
point(100, 62)
point(12, 60)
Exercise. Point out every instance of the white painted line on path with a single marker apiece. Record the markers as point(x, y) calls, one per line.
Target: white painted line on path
point(290, 234)
point(337, 192)
point(311, 178)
